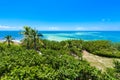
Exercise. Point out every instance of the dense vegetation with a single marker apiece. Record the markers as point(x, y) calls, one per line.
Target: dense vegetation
point(36, 59)
point(19, 63)
point(102, 48)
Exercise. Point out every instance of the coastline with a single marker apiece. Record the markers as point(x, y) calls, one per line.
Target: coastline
point(68, 35)
point(15, 41)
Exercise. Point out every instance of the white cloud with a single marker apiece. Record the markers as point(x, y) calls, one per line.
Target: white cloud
point(54, 28)
point(3, 27)
point(47, 28)
point(80, 28)
point(98, 28)
point(87, 27)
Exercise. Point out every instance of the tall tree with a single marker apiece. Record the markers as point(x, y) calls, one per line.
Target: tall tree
point(35, 37)
point(31, 37)
point(26, 33)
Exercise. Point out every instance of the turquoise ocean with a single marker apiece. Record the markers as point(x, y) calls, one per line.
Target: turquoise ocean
point(113, 36)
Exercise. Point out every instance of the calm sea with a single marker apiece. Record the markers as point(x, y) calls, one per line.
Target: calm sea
point(113, 36)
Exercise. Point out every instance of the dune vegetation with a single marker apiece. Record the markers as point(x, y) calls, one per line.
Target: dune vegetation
point(38, 59)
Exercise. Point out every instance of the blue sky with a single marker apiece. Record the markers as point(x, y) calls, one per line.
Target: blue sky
point(60, 14)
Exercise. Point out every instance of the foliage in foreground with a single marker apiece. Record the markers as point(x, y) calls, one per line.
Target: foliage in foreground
point(17, 63)
point(115, 72)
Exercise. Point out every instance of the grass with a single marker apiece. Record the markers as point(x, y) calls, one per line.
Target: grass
point(102, 63)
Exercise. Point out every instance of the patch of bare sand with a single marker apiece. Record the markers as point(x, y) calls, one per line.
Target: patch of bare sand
point(102, 63)
point(14, 42)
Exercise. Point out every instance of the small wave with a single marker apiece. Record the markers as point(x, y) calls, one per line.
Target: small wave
point(18, 41)
point(56, 38)
point(82, 33)
point(86, 33)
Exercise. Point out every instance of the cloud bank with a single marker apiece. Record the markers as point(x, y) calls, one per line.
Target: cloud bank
point(88, 27)
point(3, 27)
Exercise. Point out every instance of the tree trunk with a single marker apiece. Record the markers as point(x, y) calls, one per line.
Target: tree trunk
point(34, 43)
point(8, 43)
point(27, 44)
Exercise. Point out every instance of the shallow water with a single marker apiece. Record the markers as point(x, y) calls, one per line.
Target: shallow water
point(65, 35)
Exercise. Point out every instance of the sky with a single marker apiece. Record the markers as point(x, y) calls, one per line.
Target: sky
point(65, 15)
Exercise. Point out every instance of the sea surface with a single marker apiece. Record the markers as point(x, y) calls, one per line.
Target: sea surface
point(113, 36)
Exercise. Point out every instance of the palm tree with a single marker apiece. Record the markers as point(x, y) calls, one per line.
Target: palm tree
point(8, 40)
point(35, 37)
point(26, 33)
point(31, 37)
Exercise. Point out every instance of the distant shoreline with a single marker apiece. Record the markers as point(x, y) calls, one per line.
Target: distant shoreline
point(69, 30)
point(68, 35)
point(15, 41)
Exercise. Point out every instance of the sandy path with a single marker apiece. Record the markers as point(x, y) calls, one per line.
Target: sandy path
point(99, 62)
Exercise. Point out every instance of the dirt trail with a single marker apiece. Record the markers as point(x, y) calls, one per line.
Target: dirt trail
point(99, 62)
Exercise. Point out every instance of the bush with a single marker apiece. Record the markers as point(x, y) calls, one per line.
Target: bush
point(101, 48)
point(55, 63)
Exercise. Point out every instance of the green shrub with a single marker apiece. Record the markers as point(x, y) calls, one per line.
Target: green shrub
point(54, 63)
point(101, 48)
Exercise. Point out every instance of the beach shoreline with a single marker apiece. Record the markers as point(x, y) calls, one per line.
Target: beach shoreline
point(17, 42)
point(68, 35)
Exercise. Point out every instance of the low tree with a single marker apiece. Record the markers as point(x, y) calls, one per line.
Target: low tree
point(8, 40)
